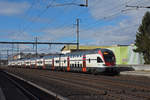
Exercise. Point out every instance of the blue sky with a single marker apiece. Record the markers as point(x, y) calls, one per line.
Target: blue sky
point(103, 22)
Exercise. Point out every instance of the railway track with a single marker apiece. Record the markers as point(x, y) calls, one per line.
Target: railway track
point(29, 95)
point(104, 89)
point(90, 86)
point(29, 91)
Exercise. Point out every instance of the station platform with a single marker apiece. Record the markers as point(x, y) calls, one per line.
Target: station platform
point(138, 73)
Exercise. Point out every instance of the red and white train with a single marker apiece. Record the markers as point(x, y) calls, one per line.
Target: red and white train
point(92, 61)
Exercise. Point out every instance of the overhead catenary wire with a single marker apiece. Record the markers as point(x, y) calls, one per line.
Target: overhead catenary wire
point(54, 18)
point(62, 12)
point(118, 7)
point(44, 11)
point(62, 26)
point(48, 6)
point(105, 18)
point(101, 20)
point(33, 3)
point(35, 19)
point(136, 6)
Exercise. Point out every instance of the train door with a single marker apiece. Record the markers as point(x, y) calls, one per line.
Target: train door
point(60, 62)
point(44, 67)
point(53, 66)
point(84, 64)
point(68, 63)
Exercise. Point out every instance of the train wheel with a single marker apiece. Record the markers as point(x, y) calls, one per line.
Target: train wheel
point(94, 72)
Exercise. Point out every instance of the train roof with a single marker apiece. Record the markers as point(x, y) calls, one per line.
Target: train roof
point(70, 54)
point(88, 51)
point(53, 55)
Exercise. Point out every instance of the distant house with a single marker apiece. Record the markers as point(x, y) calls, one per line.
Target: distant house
point(124, 53)
point(3, 62)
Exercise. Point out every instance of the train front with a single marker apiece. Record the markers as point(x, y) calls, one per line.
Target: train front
point(109, 61)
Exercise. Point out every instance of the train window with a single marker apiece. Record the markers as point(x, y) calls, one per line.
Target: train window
point(57, 61)
point(64, 61)
point(78, 65)
point(75, 65)
point(40, 62)
point(109, 58)
point(99, 60)
point(89, 60)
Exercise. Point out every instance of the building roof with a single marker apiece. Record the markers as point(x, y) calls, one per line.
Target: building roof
point(81, 47)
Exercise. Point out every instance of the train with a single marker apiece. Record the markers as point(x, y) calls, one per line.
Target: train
point(90, 61)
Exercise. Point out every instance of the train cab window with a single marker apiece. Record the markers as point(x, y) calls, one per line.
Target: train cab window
point(99, 60)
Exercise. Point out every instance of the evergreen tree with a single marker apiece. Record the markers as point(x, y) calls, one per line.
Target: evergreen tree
point(142, 41)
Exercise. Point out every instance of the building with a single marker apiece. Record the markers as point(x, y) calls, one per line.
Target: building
point(124, 53)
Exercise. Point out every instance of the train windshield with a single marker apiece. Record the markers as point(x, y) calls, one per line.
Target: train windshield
point(99, 60)
point(109, 57)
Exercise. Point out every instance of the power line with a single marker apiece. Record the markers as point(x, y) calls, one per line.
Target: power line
point(38, 16)
point(27, 13)
point(118, 7)
point(100, 20)
point(137, 6)
point(105, 18)
point(65, 4)
point(109, 16)
point(56, 16)
point(56, 43)
point(50, 5)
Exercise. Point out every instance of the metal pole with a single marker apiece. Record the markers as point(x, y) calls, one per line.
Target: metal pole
point(0, 59)
point(36, 45)
point(86, 3)
point(12, 52)
point(17, 48)
point(77, 34)
point(7, 56)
